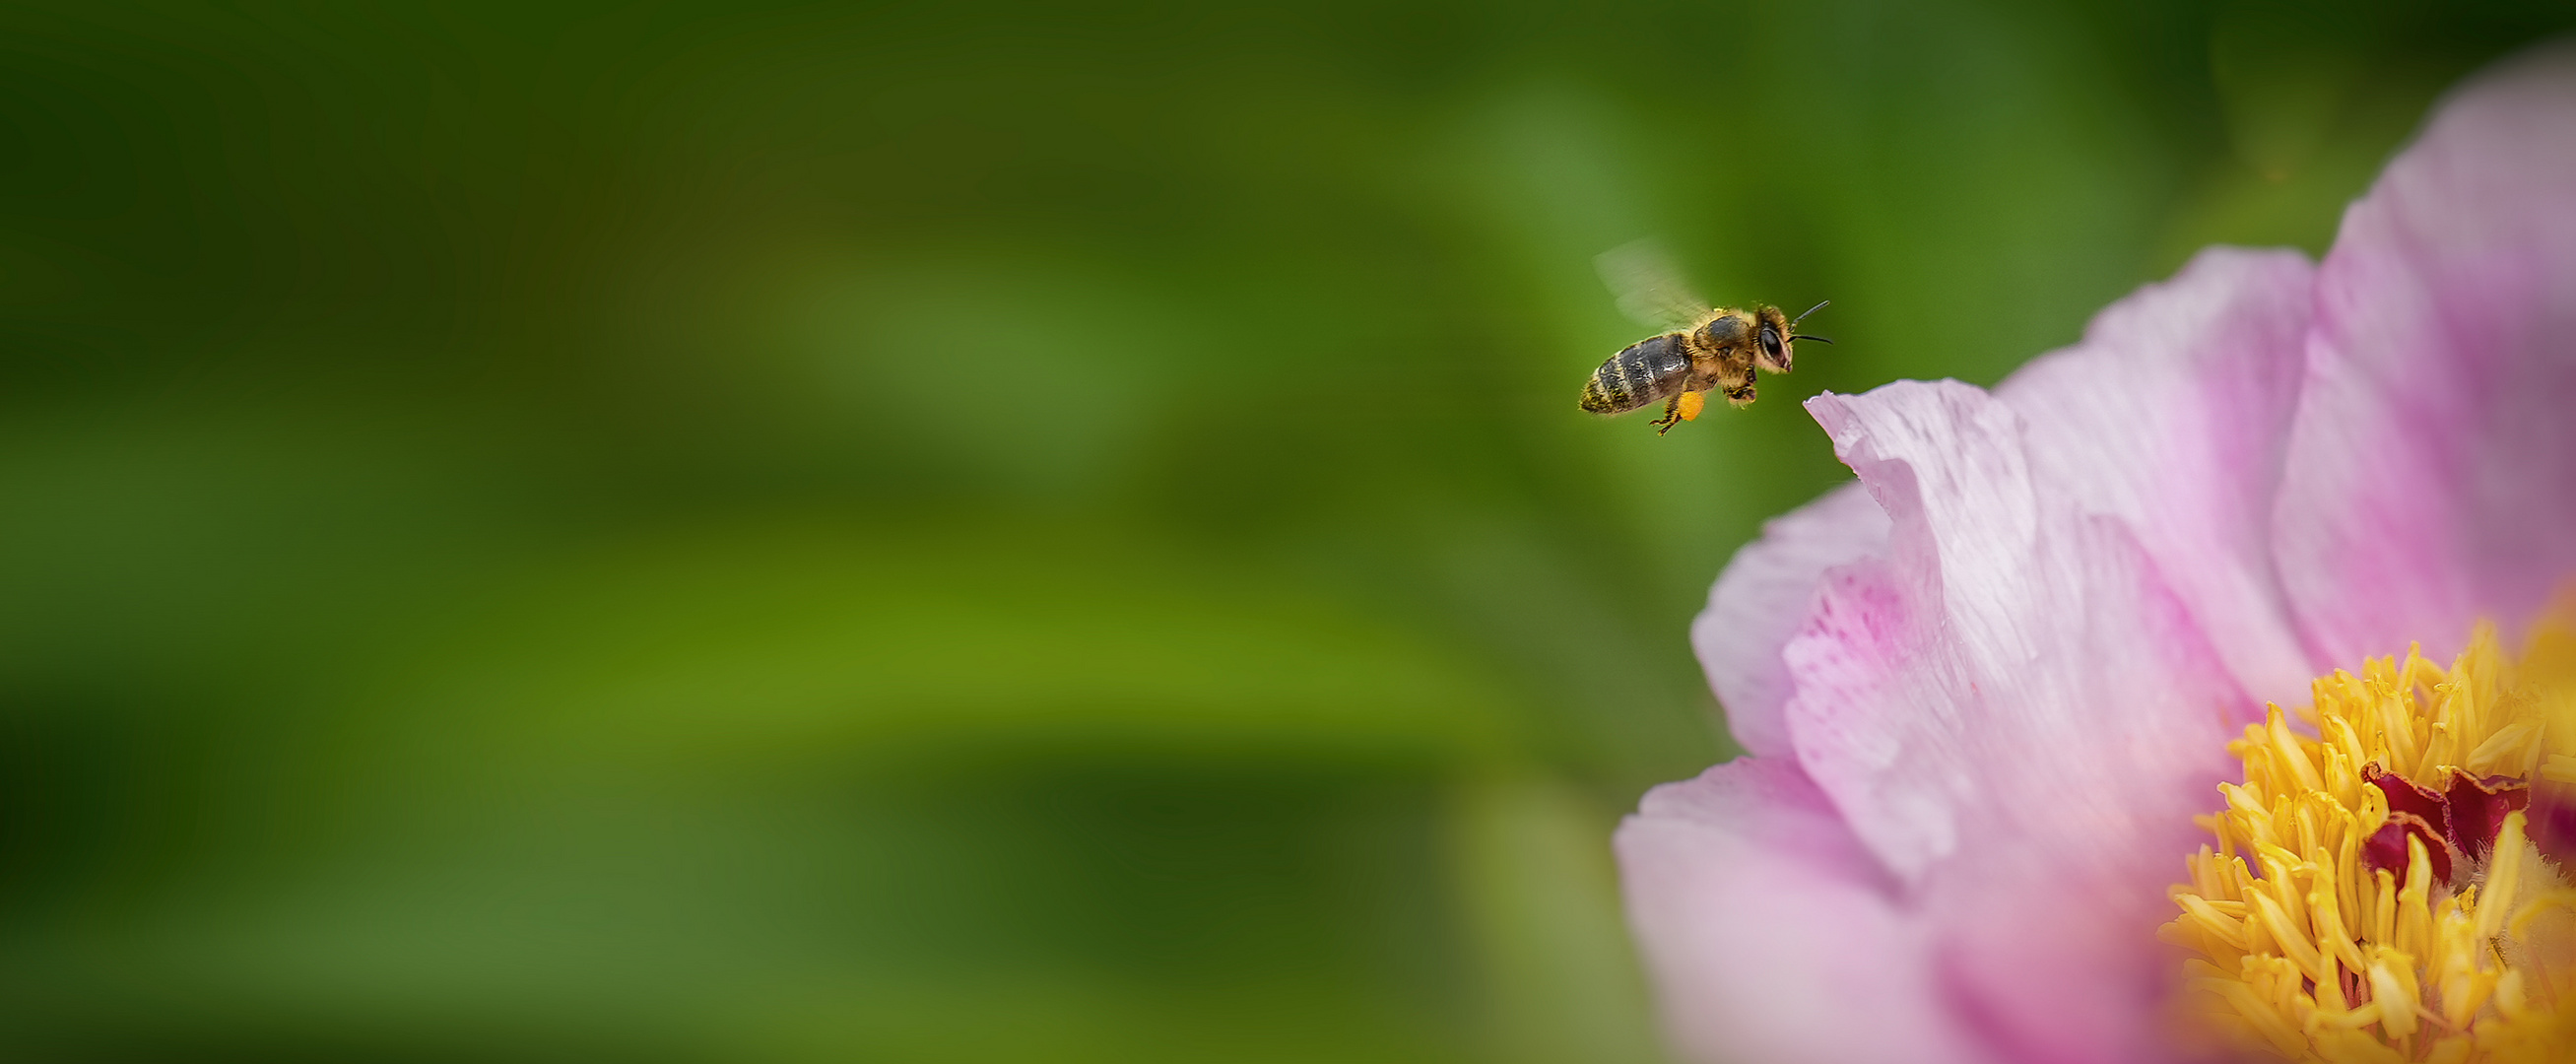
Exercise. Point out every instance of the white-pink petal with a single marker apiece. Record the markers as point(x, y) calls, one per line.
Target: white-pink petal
point(2431, 477)
point(2173, 415)
point(2016, 714)
point(1762, 597)
point(1770, 935)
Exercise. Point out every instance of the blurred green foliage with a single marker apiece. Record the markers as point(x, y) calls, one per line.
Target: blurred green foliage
point(968, 532)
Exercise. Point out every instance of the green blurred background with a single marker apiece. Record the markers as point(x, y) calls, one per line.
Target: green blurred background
point(970, 532)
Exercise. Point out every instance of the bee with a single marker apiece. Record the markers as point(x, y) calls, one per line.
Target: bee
point(1706, 349)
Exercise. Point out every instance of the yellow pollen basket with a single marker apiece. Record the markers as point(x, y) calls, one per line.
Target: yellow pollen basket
point(2323, 921)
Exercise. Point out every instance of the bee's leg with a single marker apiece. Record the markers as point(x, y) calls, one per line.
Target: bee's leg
point(1683, 407)
point(1739, 389)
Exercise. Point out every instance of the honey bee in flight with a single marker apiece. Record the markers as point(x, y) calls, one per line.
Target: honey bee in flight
point(1706, 349)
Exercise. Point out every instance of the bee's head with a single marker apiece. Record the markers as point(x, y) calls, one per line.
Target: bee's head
point(1771, 339)
point(1775, 334)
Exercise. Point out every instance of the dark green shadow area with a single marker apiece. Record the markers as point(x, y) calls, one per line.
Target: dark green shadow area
point(967, 532)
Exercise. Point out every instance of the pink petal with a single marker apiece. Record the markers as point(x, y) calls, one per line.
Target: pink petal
point(2173, 415)
point(1770, 934)
point(2431, 476)
point(2016, 714)
point(1764, 595)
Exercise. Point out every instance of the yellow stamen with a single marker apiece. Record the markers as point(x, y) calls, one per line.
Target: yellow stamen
point(2307, 952)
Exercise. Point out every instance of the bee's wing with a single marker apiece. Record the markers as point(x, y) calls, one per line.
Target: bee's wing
point(1649, 285)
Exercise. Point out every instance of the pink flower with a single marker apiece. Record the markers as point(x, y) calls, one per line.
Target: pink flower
point(1985, 689)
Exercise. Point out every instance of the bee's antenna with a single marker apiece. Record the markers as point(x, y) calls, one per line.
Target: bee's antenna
point(1818, 339)
point(1793, 322)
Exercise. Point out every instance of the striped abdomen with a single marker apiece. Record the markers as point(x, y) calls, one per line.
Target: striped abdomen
point(1647, 371)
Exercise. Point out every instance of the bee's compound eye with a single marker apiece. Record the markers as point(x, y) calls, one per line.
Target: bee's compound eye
point(1770, 341)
